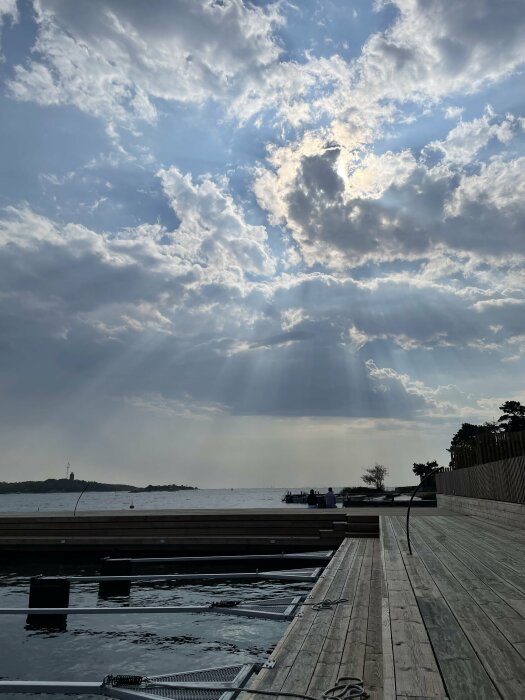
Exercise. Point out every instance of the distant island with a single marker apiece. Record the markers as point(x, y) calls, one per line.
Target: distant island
point(78, 485)
point(167, 487)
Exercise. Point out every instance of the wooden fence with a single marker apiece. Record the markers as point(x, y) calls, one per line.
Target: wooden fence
point(488, 447)
point(499, 481)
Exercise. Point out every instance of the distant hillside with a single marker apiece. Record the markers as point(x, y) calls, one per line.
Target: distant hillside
point(59, 486)
point(76, 486)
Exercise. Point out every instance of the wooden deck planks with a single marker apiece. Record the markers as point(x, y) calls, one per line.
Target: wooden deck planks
point(327, 669)
point(373, 670)
point(287, 650)
point(495, 547)
point(179, 530)
point(416, 670)
point(463, 674)
point(389, 677)
point(499, 600)
point(499, 657)
point(322, 645)
point(447, 622)
point(487, 563)
point(310, 658)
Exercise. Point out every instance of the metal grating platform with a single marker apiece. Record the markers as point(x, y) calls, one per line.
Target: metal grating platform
point(204, 684)
point(222, 678)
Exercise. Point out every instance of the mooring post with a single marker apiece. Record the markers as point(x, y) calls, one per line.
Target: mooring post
point(48, 593)
point(114, 567)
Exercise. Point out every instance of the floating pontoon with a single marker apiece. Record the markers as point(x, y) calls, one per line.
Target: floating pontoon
point(323, 556)
point(271, 609)
point(306, 575)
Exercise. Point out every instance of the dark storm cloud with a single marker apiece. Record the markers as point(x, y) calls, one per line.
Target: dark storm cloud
point(432, 207)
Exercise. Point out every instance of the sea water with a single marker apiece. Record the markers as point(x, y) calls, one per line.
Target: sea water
point(93, 646)
point(162, 500)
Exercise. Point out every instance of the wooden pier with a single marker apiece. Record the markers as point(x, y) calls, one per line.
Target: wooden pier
point(182, 531)
point(445, 622)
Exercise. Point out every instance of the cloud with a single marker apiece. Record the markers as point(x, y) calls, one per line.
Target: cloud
point(378, 289)
point(454, 112)
point(440, 48)
point(134, 54)
point(500, 186)
point(213, 229)
point(442, 400)
point(8, 10)
point(144, 316)
point(345, 208)
point(232, 53)
point(465, 141)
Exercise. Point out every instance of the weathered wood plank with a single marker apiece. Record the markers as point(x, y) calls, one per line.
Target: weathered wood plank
point(307, 658)
point(416, 669)
point(354, 650)
point(498, 549)
point(494, 595)
point(463, 674)
point(327, 669)
point(287, 650)
point(501, 660)
point(389, 680)
point(373, 671)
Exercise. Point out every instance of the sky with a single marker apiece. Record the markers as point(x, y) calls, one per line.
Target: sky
point(257, 244)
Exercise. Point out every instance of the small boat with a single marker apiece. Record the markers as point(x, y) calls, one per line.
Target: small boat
point(301, 497)
point(290, 497)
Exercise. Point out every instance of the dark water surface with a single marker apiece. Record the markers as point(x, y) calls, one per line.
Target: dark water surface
point(93, 646)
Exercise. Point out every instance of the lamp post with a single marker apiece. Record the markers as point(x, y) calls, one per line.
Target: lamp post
point(78, 499)
point(434, 471)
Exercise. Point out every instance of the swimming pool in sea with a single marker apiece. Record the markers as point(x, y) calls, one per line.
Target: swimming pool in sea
point(93, 646)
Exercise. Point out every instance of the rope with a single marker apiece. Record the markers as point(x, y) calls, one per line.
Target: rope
point(116, 681)
point(258, 603)
point(326, 604)
point(345, 688)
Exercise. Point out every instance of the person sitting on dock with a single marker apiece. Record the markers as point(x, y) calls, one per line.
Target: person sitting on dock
point(311, 499)
point(329, 499)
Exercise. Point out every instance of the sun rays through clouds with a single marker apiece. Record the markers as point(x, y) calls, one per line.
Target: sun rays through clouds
point(216, 213)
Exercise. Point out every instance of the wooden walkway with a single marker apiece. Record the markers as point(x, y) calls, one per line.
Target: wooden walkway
point(446, 622)
point(322, 645)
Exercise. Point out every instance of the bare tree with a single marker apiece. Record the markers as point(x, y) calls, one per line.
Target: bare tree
point(375, 476)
